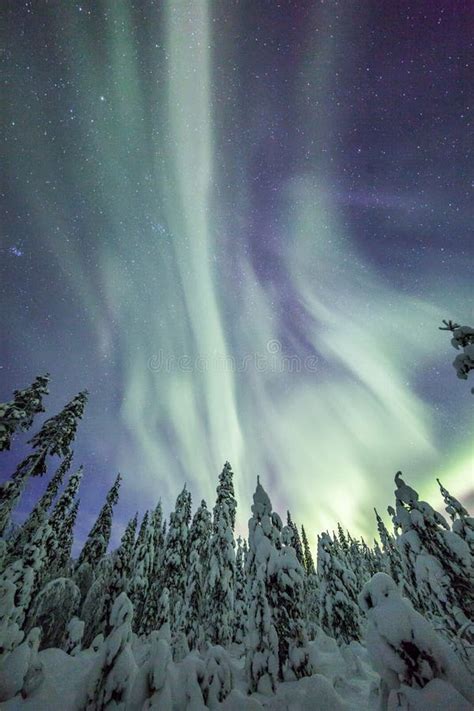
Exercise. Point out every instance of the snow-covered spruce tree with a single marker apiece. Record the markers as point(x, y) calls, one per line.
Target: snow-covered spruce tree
point(11, 632)
point(93, 607)
point(52, 609)
point(462, 523)
point(22, 672)
point(217, 680)
point(405, 649)
point(121, 568)
point(97, 541)
point(221, 573)
point(339, 612)
point(17, 415)
point(152, 688)
point(63, 561)
point(25, 572)
point(156, 616)
point(141, 570)
point(285, 591)
point(261, 660)
point(195, 592)
point(158, 539)
point(441, 562)
point(360, 560)
point(54, 438)
point(343, 541)
point(263, 533)
point(110, 681)
point(308, 558)
point(392, 560)
point(296, 540)
point(72, 641)
point(463, 337)
point(225, 492)
point(39, 512)
point(175, 560)
point(240, 599)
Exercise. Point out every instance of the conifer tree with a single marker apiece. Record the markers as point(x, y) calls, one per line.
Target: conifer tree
point(39, 512)
point(54, 438)
point(463, 338)
point(438, 559)
point(93, 607)
point(343, 542)
point(226, 494)
point(109, 684)
point(263, 535)
point(17, 415)
point(195, 592)
point(175, 560)
point(97, 541)
point(285, 590)
point(52, 609)
point(264, 532)
point(141, 569)
point(65, 540)
point(462, 523)
point(121, 567)
point(296, 540)
point(157, 615)
point(308, 558)
point(240, 605)
point(221, 575)
point(261, 660)
point(393, 561)
point(339, 612)
point(158, 539)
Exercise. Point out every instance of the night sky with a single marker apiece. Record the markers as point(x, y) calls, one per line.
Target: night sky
point(239, 225)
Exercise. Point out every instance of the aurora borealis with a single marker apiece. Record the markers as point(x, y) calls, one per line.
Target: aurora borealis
point(239, 225)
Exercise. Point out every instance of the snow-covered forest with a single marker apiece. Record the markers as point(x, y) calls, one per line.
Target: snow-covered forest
point(185, 616)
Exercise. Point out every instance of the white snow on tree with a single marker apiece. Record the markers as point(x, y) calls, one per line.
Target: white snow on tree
point(403, 646)
point(17, 415)
point(285, 589)
point(392, 559)
point(39, 512)
point(217, 679)
point(175, 560)
point(463, 338)
point(93, 610)
point(296, 540)
point(11, 632)
point(142, 568)
point(121, 562)
point(21, 671)
point(195, 591)
point(97, 541)
point(54, 438)
point(462, 523)
point(72, 641)
point(261, 661)
point(221, 574)
point(339, 613)
point(52, 609)
point(308, 558)
point(110, 682)
point(440, 561)
point(240, 599)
